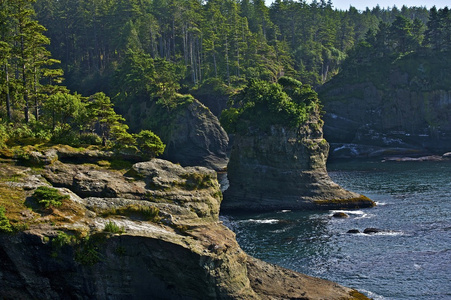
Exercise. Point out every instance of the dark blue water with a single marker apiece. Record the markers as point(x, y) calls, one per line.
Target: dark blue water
point(412, 260)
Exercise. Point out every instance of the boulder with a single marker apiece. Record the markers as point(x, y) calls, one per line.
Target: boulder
point(340, 215)
point(353, 231)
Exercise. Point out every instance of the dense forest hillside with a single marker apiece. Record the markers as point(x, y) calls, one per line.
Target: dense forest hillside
point(154, 52)
point(221, 41)
point(394, 90)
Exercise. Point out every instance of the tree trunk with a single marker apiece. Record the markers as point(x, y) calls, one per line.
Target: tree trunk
point(36, 105)
point(227, 59)
point(8, 98)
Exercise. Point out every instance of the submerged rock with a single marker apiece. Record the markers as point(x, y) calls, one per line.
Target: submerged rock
point(168, 242)
point(284, 169)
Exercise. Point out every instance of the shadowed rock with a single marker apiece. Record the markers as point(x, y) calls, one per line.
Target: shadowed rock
point(171, 244)
point(284, 169)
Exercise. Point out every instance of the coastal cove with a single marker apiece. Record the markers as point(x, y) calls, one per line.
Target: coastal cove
point(410, 259)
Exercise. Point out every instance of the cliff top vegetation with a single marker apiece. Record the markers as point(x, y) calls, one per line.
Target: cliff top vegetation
point(262, 104)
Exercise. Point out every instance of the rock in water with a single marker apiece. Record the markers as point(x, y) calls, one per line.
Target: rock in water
point(284, 169)
point(340, 215)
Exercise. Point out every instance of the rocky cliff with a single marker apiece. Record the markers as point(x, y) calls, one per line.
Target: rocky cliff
point(390, 107)
point(147, 231)
point(192, 134)
point(284, 168)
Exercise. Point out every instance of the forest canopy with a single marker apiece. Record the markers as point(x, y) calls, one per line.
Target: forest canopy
point(151, 51)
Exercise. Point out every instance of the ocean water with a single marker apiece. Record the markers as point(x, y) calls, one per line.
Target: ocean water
point(411, 259)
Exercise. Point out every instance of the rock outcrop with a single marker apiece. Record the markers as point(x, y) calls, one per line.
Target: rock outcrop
point(284, 169)
point(192, 134)
point(166, 243)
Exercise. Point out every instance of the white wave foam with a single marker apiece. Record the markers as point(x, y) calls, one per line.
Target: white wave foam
point(380, 203)
point(263, 221)
point(391, 233)
point(372, 295)
point(349, 212)
point(365, 216)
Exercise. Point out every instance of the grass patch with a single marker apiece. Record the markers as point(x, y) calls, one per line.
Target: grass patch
point(5, 226)
point(49, 197)
point(195, 181)
point(12, 200)
point(133, 211)
point(104, 163)
point(112, 227)
point(120, 165)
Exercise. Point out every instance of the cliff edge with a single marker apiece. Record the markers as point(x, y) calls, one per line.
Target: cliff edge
point(149, 230)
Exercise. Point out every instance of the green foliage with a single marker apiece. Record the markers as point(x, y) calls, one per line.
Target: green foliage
point(112, 227)
point(64, 108)
point(89, 138)
point(195, 181)
point(262, 104)
point(149, 143)
point(3, 135)
point(87, 252)
point(49, 197)
point(63, 239)
point(63, 134)
point(5, 226)
point(229, 119)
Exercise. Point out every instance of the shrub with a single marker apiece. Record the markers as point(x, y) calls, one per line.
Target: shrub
point(5, 226)
point(49, 197)
point(112, 227)
point(63, 239)
point(149, 143)
point(90, 139)
point(64, 134)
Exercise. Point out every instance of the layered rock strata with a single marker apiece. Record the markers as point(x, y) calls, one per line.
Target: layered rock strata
point(284, 169)
point(168, 242)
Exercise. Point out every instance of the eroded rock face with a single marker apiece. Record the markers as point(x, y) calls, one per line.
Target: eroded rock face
point(197, 138)
point(284, 169)
point(182, 251)
point(192, 134)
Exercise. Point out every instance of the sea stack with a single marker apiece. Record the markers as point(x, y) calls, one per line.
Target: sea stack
point(282, 166)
